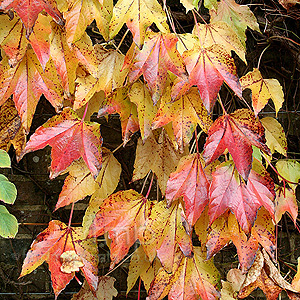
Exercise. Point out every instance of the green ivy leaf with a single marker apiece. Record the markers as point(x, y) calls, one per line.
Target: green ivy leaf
point(8, 191)
point(4, 159)
point(8, 223)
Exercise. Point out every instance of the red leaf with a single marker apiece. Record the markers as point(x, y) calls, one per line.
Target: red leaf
point(190, 182)
point(208, 68)
point(70, 139)
point(28, 11)
point(158, 56)
point(51, 244)
point(228, 191)
point(237, 132)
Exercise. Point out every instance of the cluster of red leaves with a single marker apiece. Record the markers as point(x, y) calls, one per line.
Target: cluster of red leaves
point(228, 200)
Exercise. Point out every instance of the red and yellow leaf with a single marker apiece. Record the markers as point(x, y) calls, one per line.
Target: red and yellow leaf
point(228, 191)
point(50, 245)
point(28, 11)
point(122, 215)
point(70, 139)
point(189, 181)
point(158, 56)
point(236, 132)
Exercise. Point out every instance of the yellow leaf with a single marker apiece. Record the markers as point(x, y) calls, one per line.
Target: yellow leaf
point(160, 157)
point(138, 16)
point(290, 170)
point(262, 90)
point(275, 136)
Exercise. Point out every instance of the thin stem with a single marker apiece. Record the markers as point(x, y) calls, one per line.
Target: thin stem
point(85, 111)
point(123, 37)
point(221, 103)
point(150, 186)
point(145, 181)
point(139, 292)
point(119, 147)
point(258, 64)
point(118, 265)
point(71, 215)
point(196, 139)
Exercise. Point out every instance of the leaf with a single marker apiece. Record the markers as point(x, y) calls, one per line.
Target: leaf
point(27, 82)
point(238, 17)
point(165, 230)
point(235, 132)
point(286, 202)
point(80, 14)
point(122, 215)
point(70, 139)
point(222, 34)
point(107, 182)
point(290, 170)
point(158, 56)
point(262, 90)
point(4, 159)
point(64, 58)
point(275, 136)
point(190, 279)
point(140, 267)
point(226, 229)
point(190, 182)
point(8, 223)
point(118, 102)
point(184, 113)
point(50, 245)
point(28, 11)
point(138, 16)
point(160, 157)
point(11, 129)
point(140, 95)
point(228, 191)
point(8, 191)
point(190, 4)
point(78, 184)
point(208, 68)
point(105, 290)
point(109, 76)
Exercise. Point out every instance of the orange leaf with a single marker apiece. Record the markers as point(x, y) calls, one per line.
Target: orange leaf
point(50, 246)
point(122, 215)
point(236, 132)
point(190, 182)
point(70, 139)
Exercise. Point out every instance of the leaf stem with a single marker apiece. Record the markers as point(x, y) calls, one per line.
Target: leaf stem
point(258, 64)
point(122, 39)
point(139, 292)
point(145, 181)
point(85, 111)
point(71, 215)
point(150, 186)
point(119, 264)
point(221, 103)
point(196, 139)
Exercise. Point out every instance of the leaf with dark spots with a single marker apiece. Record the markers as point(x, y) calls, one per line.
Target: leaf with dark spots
point(123, 216)
point(191, 278)
point(158, 56)
point(28, 11)
point(190, 182)
point(164, 231)
point(70, 139)
point(236, 132)
point(50, 245)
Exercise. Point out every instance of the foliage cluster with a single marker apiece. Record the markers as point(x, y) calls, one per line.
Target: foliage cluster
point(166, 86)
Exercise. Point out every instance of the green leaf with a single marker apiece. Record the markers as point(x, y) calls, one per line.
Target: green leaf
point(290, 170)
point(8, 191)
point(4, 159)
point(8, 223)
